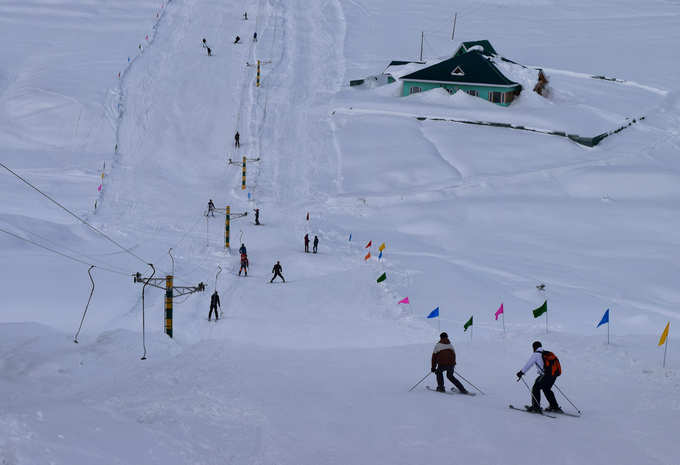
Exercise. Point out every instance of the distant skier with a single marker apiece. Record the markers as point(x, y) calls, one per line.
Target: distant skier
point(548, 367)
point(237, 140)
point(245, 16)
point(242, 250)
point(214, 303)
point(237, 40)
point(316, 244)
point(204, 44)
point(254, 36)
point(306, 243)
point(257, 216)
point(277, 270)
point(211, 208)
point(244, 264)
point(444, 360)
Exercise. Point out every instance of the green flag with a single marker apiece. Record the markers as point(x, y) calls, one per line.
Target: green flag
point(382, 277)
point(541, 310)
point(467, 325)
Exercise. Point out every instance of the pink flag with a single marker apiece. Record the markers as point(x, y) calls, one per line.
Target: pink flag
point(499, 311)
point(99, 189)
point(404, 301)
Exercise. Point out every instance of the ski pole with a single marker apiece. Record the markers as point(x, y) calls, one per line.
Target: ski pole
point(464, 379)
point(531, 392)
point(572, 404)
point(419, 382)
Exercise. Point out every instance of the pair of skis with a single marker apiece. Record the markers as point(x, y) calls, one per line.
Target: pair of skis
point(542, 413)
point(454, 392)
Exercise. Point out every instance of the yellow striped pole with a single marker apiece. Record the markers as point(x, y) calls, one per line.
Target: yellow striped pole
point(168, 305)
point(243, 175)
point(258, 74)
point(226, 229)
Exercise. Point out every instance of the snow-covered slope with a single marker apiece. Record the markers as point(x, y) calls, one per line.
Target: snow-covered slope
point(317, 370)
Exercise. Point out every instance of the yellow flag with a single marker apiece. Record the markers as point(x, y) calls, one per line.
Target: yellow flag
point(102, 175)
point(382, 247)
point(664, 335)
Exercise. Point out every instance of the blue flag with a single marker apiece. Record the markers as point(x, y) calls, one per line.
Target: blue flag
point(350, 237)
point(434, 313)
point(605, 319)
point(380, 255)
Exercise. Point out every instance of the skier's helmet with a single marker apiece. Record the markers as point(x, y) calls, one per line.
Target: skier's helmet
point(443, 336)
point(536, 345)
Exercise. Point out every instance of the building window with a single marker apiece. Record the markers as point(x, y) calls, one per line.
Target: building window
point(458, 71)
point(495, 97)
point(414, 90)
point(508, 97)
point(473, 92)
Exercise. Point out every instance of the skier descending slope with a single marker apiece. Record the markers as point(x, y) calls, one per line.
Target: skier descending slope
point(211, 208)
point(548, 367)
point(444, 360)
point(277, 270)
point(306, 243)
point(214, 303)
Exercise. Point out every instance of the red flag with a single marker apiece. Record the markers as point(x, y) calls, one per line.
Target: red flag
point(368, 245)
point(368, 255)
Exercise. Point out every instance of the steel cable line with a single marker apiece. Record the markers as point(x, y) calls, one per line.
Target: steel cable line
point(72, 251)
point(60, 253)
point(113, 241)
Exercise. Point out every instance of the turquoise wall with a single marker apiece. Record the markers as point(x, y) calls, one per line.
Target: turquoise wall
point(483, 91)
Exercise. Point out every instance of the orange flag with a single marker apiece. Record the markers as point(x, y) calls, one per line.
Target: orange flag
point(368, 255)
point(369, 244)
point(664, 335)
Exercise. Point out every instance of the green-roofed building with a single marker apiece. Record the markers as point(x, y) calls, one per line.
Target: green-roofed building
point(471, 71)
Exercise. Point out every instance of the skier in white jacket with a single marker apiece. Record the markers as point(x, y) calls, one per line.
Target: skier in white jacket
point(548, 368)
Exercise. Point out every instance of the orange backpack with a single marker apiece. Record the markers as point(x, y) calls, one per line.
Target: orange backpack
point(551, 364)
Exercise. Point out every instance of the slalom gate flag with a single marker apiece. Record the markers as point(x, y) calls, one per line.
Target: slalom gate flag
point(99, 189)
point(404, 301)
point(368, 255)
point(499, 311)
point(382, 247)
point(102, 175)
point(664, 335)
point(467, 325)
point(307, 216)
point(350, 237)
point(369, 244)
point(541, 310)
point(434, 313)
point(604, 320)
point(380, 255)
point(382, 277)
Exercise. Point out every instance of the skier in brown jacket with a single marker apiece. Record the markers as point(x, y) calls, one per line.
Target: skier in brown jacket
point(444, 360)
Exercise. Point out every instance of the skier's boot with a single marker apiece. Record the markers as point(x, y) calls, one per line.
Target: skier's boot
point(533, 409)
point(555, 409)
point(441, 389)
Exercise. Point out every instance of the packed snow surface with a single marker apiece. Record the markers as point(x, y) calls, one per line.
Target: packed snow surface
point(318, 370)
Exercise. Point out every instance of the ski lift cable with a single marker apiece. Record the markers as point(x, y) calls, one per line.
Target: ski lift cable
point(94, 261)
point(93, 228)
point(60, 253)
